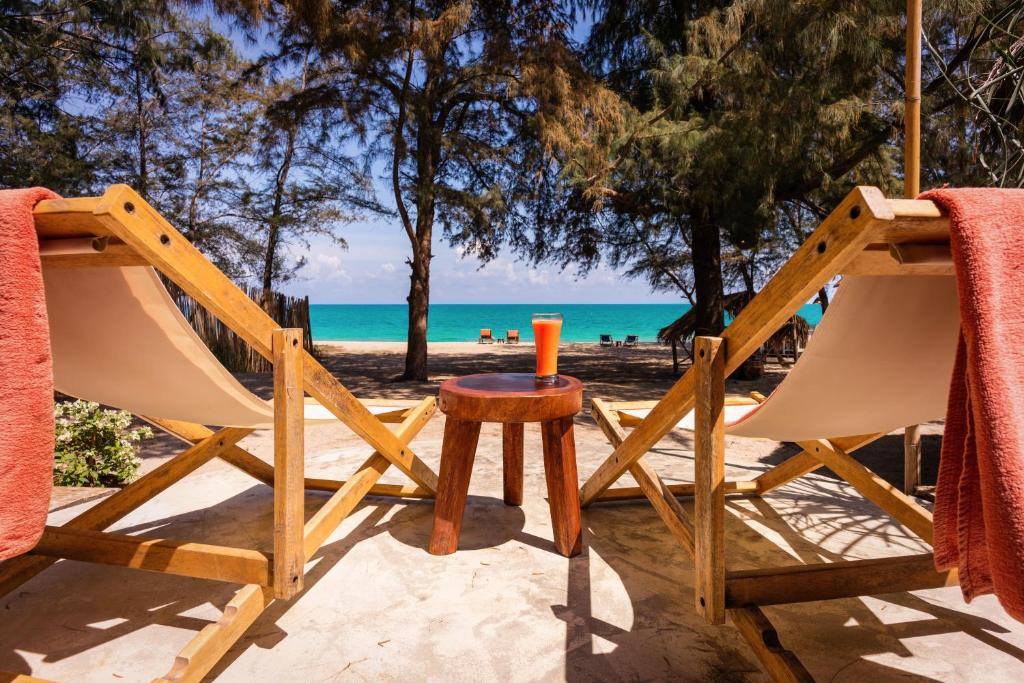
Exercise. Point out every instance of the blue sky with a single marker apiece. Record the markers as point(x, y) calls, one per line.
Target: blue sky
point(373, 268)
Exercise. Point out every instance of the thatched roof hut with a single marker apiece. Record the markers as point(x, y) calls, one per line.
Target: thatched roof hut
point(683, 329)
point(793, 333)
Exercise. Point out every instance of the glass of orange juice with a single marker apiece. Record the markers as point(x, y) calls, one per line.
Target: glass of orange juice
point(547, 328)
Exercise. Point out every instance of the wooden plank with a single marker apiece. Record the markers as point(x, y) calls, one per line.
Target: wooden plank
point(127, 216)
point(404, 403)
point(911, 459)
point(665, 504)
point(877, 262)
point(904, 209)
point(873, 487)
point(781, 664)
point(199, 560)
point(709, 477)
point(247, 462)
point(922, 254)
point(323, 386)
point(684, 490)
point(322, 524)
point(114, 256)
point(204, 651)
point(289, 465)
point(651, 485)
point(18, 570)
point(842, 235)
point(68, 218)
point(627, 420)
point(264, 472)
point(108, 511)
point(789, 469)
point(826, 581)
point(646, 405)
point(804, 463)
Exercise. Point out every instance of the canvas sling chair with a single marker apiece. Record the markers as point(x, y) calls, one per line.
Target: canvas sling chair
point(880, 359)
point(118, 338)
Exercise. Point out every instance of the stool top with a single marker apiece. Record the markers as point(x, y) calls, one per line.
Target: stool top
point(510, 397)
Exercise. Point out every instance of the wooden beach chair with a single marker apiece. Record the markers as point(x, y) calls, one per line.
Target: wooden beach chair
point(117, 338)
point(631, 340)
point(866, 372)
point(485, 336)
point(512, 336)
point(606, 340)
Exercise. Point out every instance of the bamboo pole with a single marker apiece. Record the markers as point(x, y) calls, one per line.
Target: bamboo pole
point(912, 104)
point(911, 188)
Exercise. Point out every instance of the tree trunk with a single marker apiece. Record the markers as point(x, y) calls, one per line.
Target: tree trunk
point(823, 299)
point(274, 225)
point(707, 279)
point(419, 309)
point(140, 120)
point(419, 278)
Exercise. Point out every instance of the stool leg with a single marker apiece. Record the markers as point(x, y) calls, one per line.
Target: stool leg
point(563, 487)
point(457, 453)
point(512, 453)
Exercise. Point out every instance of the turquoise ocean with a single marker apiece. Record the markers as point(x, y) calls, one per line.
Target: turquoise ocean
point(462, 322)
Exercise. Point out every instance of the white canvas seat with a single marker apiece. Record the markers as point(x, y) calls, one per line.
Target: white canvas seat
point(119, 339)
point(883, 336)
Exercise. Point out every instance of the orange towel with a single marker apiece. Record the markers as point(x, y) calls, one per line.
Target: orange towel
point(979, 497)
point(26, 378)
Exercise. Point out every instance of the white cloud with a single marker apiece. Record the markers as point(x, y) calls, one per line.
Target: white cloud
point(388, 267)
point(324, 267)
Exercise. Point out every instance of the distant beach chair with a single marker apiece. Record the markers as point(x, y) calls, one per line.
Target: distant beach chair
point(632, 340)
point(606, 340)
point(867, 371)
point(117, 338)
point(512, 336)
point(485, 336)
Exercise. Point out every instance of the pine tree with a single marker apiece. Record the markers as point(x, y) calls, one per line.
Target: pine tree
point(736, 114)
point(448, 97)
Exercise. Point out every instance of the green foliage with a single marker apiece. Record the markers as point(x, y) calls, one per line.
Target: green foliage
point(95, 447)
point(94, 92)
point(981, 139)
point(448, 99)
point(743, 122)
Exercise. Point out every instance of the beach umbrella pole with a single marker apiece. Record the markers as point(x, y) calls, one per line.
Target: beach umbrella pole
point(912, 104)
point(911, 188)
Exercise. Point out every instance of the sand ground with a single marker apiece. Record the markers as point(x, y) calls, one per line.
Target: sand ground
point(505, 607)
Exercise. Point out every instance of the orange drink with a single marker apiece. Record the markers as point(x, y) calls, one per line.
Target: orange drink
point(547, 327)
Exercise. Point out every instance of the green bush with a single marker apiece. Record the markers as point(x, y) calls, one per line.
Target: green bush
point(94, 447)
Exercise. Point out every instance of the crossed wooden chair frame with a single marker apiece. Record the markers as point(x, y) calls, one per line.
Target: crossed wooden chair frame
point(139, 236)
point(866, 234)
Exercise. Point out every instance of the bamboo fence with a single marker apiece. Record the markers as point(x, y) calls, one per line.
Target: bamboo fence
point(228, 347)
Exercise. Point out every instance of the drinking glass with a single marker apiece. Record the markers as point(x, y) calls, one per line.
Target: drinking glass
point(547, 327)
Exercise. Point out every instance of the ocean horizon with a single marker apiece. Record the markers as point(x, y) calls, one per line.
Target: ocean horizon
point(462, 322)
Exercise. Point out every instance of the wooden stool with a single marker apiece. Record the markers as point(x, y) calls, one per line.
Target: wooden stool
point(511, 399)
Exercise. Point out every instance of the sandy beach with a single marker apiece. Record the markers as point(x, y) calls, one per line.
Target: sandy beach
point(505, 606)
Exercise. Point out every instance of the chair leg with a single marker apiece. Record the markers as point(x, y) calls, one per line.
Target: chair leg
point(512, 454)
point(780, 663)
point(709, 479)
point(457, 453)
point(289, 477)
point(911, 459)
